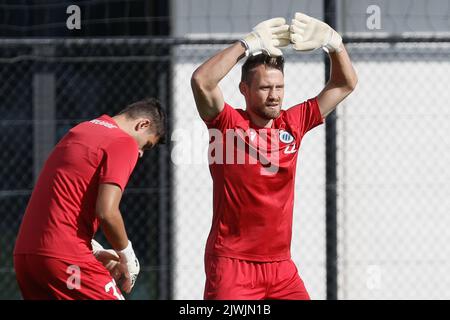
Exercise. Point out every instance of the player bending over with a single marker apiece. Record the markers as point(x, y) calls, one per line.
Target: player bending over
point(78, 190)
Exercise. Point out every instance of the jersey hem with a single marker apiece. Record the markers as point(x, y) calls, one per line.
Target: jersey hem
point(249, 257)
point(89, 258)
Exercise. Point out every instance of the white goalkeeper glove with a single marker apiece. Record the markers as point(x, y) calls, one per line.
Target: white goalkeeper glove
point(108, 257)
point(267, 37)
point(309, 34)
point(129, 267)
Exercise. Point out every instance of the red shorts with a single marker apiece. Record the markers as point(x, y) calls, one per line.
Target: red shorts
point(234, 279)
point(45, 278)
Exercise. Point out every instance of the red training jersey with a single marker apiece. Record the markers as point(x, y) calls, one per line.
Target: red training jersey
point(253, 172)
point(60, 218)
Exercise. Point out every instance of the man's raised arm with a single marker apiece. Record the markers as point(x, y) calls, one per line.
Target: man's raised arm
point(307, 34)
point(342, 82)
point(266, 37)
point(205, 80)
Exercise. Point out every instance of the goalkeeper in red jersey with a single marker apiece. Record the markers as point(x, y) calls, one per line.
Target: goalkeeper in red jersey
point(248, 249)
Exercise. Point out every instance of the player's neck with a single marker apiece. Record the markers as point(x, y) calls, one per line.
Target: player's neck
point(259, 121)
point(123, 124)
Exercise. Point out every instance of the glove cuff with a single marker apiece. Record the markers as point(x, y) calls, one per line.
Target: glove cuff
point(96, 247)
point(127, 253)
point(253, 44)
point(334, 42)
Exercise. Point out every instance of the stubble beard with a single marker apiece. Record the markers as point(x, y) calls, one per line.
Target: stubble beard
point(269, 113)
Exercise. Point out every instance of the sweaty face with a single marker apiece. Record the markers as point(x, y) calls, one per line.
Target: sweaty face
point(264, 94)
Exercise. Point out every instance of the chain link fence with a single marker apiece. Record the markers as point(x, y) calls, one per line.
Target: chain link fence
point(392, 150)
point(47, 87)
point(393, 174)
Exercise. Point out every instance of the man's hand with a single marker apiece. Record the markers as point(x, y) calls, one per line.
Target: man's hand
point(309, 34)
point(108, 257)
point(129, 268)
point(267, 37)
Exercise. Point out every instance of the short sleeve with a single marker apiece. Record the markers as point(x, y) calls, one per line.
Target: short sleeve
point(119, 160)
point(305, 115)
point(226, 119)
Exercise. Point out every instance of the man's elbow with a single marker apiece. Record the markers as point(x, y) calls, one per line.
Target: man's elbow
point(105, 214)
point(196, 80)
point(198, 77)
point(200, 82)
point(350, 85)
point(198, 85)
point(353, 82)
point(102, 216)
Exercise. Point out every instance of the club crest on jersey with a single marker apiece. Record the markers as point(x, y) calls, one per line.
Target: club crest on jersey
point(286, 137)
